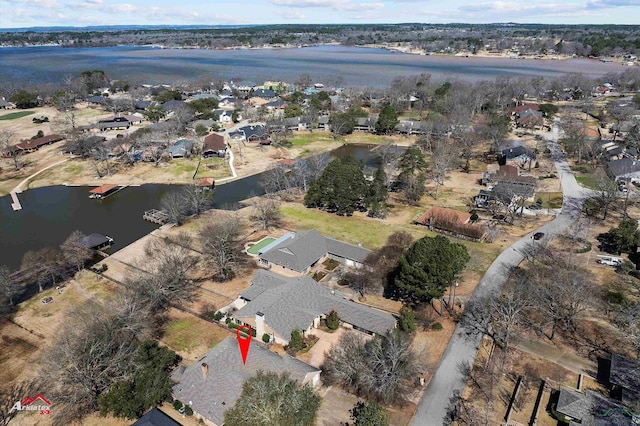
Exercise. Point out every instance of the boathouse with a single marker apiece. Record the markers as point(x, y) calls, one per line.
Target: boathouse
point(103, 191)
point(97, 241)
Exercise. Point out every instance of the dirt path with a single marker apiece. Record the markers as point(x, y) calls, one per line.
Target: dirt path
point(18, 189)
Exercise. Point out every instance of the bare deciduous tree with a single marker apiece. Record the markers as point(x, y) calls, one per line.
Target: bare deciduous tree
point(266, 212)
point(8, 286)
point(173, 204)
point(7, 148)
point(442, 161)
point(75, 250)
point(220, 243)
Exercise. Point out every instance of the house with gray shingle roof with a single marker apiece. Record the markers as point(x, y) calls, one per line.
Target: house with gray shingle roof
point(275, 305)
point(591, 409)
point(297, 254)
point(213, 384)
point(624, 168)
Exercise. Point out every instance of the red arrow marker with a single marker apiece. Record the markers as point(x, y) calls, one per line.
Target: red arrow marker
point(244, 342)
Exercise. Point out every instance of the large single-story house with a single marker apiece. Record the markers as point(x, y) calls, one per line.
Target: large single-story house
point(518, 154)
point(624, 377)
point(296, 253)
point(275, 305)
point(256, 133)
point(31, 145)
point(181, 148)
point(213, 384)
point(590, 409)
point(624, 168)
point(155, 417)
point(214, 145)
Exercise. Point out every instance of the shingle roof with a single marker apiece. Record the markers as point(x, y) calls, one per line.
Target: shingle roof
point(156, 417)
point(625, 372)
point(299, 252)
point(592, 409)
point(212, 395)
point(289, 303)
point(623, 166)
point(572, 403)
point(214, 142)
point(348, 251)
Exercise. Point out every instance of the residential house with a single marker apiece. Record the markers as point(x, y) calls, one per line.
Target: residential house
point(244, 87)
point(277, 104)
point(519, 155)
point(296, 253)
point(237, 136)
point(275, 305)
point(213, 384)
point(181, 148)
point(256, 102)
point(323, 123)
point(142, 105)
point(483, 198)
point(524, 107)
point(173, 105)
point(155, 417)
point(225, 116)
point(624, 377)
point(256, 133)
point(31, 145)
point(203, 96)
point(96, 100)
point(214, 145)
point(266, 94)
point(590, 409)
point(295, 124)
point(625, 169)
point(114, 123)
point(365, 124)
point(4, 104)
point(408, 127)
point(448, 220)
point(228, 102)
point(530, 119)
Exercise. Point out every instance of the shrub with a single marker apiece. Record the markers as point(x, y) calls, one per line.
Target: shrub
point(227, 321)
point(296, 342)
point(177, 405)
point(232, 325)
point(474, 217)
point(333, 320)
point(343, 282)
point(537, 166)
point(218, 316)
point(407, 320)
point(266, 338)
point(436, 327)
point(188, 410)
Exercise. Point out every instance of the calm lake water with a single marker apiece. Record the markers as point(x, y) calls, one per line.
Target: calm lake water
point(50, 214)
point(358, 66)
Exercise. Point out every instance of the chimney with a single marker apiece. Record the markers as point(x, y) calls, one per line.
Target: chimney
point(260, 326)
point(205, 369)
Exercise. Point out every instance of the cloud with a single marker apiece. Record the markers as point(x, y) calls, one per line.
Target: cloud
point(602, 4)
point(306, 3)
point(292, 15)
point(360, 7)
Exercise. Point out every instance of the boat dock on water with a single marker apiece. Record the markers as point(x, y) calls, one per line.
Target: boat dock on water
point(105, 191)
point(156, 216)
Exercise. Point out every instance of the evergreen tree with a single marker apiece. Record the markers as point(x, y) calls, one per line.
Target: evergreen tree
point(426, 270)
point(341, 188)
point(378, 195)
point(24, 99)
point(412, 177)
point(271, 399)
point(333, 320)
point(387, 120)
point(407, 321)
point(150, 385)
point(369, 414)
point(296, 342)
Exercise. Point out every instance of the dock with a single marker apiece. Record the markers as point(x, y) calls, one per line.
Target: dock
point(105, 191)
point(156, 216)
point(15, 204)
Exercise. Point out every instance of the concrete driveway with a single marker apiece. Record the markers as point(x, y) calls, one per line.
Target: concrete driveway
point(323, 345)
point(464, 343)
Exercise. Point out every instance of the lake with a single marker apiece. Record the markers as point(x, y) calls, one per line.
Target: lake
point(358, 66)
point(50, 214)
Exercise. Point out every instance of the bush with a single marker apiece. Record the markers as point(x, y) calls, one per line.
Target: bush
point(218, 316)
point(407, 320)
point(296, 342)
point(232, 325)
point(474, 217)
point(333, 320)
point(227, 321)
point(188, 410)
point(177, 405)
point(436, 327)
point(266, 338)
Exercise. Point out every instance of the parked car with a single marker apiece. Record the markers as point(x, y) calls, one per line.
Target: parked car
point(610, 261)
point(41, 119)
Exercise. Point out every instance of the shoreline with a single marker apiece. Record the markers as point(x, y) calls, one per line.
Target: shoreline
point(408, 50)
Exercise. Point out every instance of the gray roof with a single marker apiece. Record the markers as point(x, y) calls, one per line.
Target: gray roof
point(625, 372)
point(305, 248)
point(592, 409)
point(211, 396)
point(94, 240)
point(294, 302)
point(572, 403)
point(623, 167)
point(156, 417)
point(180, 148)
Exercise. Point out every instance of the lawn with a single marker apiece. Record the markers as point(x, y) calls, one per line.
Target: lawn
point(588, 181)
point(213, 167)
point(550, 200)
point(15, 115)
point(304, 138)
point(191, 336)
point(262, 243)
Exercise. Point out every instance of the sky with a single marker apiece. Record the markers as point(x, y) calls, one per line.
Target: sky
point(29, 13)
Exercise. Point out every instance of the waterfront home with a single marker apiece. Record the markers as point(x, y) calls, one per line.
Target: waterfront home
point(296, 253)
point(275, 305)
point(213, 383)
point(214, 145)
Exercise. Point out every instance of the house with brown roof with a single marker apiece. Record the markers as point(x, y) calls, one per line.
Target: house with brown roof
point(524, 107)
point(450, 221)
point(214, 145)
point(30, 145)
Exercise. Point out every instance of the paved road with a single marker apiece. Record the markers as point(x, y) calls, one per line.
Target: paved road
point(464, 343)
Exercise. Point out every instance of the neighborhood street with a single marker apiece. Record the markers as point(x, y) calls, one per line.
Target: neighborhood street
point(464, 344)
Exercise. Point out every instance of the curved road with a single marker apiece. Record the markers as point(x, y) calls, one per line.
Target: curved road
point(464, 343)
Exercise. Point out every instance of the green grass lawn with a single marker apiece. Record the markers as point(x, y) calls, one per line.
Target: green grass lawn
point(550, 200)
point(588, 181)
point(256, 247)
point(304, 138)
point(213, 167)
point(185, 334)
point(14, 115)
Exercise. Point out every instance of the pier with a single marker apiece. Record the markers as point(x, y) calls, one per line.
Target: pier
point(156, 216)
point(15, 202)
